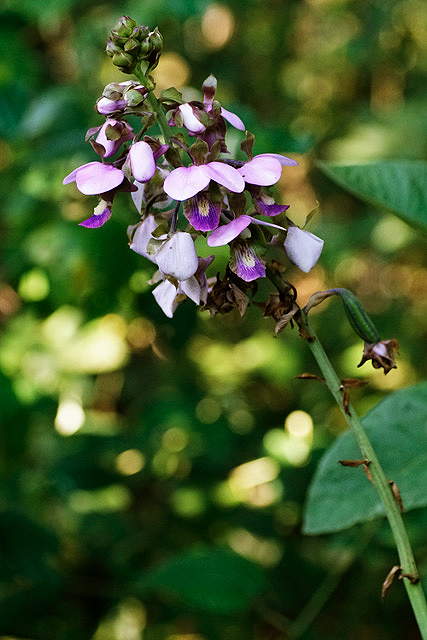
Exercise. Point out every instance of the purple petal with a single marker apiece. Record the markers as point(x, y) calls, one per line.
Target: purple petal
point(98, 219)
point(227, 233)
point(284, 161)
point(141, 160)
point(202, 213)
point(228, 176)
point(233, 119)
point(270, 209)
point(95, 178)
point(261, 170)
point(245, 263)
point(160, 151)
point(184, 182)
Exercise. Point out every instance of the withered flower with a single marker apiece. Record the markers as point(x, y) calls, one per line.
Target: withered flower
point(227, 293)
point(381, 353)
point(282, 307)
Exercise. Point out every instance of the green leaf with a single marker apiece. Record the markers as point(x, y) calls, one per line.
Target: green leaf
point(214, 580)
point(340, 497)
point(396, 185)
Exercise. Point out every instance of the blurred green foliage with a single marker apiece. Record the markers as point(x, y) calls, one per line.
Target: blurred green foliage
point(154, 472)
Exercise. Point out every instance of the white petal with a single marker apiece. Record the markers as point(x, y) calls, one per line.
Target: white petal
point(189, 120)
point(191, 288)
point(177, 257)
point(302, 248)
point(138, 196)
point(142, 163)
point(165, 294)
point(142, 236)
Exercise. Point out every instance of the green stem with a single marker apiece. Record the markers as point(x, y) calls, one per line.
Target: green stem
point(407, 561)
point(155, 105)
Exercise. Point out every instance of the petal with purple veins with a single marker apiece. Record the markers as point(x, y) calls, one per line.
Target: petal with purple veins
point(202, 213)
point(245, 263)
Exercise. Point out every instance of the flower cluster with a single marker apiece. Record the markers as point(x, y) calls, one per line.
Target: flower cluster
point(184, 183)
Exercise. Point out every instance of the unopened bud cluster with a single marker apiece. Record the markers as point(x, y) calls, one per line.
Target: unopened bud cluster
point(130, 44)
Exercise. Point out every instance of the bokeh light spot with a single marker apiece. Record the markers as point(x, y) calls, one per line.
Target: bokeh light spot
point(217, 26)
point(34, 285)
point(130, 462)
point(70, 417)
point(172, 70)
point(299, 424)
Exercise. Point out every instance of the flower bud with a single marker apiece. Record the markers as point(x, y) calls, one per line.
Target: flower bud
point(124, 26)
point(156, 39)
point(131, 45)
point(124, 61)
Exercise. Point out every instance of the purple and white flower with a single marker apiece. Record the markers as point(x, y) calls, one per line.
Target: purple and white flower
point(177, 256)
point(302, 247)
point(112, 135)
point(188, 114)
point(202, 212)
point(209, 90)
point(245, 262)
point(174, 255)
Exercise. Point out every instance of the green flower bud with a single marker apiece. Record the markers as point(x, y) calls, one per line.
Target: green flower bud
point(145, 48)
point(124, 61)
point(156, 39)
point(124, 26)
point(112, 48)
point(132, 46)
